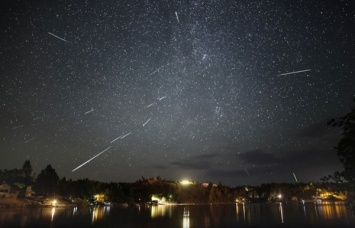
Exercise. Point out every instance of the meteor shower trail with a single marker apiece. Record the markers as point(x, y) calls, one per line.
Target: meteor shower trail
point(116, 139)
point(177, 17)
point(294, 175)
point(146, 122)
point(91, 110)
point(58, 37)
point(295, 72)
point(91, 159)
point(246, 171)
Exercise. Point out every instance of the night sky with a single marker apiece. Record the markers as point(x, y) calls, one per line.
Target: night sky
point(237, 92)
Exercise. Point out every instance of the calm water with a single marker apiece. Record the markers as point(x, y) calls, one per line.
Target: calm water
point(231, 215)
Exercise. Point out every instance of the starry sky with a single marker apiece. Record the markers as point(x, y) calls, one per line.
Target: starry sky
point(230, 91)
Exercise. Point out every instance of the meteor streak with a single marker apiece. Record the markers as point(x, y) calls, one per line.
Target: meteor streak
point(295, 72)
point(126, 135)
point(58, 37)
point(89, 111)
point(294, 175)
point(91, 159)
point(146, 122)
point(177, 17)
point(30, 140)
point(116, 139)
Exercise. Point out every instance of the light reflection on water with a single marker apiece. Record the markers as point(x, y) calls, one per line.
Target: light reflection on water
point(281, 213)
point(98, 213)
point(186, 216)
point(160, 211)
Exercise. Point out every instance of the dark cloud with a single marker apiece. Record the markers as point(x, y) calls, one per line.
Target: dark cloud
point(258, 157)
point(319, 130)
point(162, 167)
point(199, 162)
point(200, 165)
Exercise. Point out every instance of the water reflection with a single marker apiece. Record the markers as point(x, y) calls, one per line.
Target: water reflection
point(161, 211)
point(281, 213)
point(98, 213)
point(243, 210)
point(186, 218)
point(75, 210)
point(53, 213)
point(214, 215)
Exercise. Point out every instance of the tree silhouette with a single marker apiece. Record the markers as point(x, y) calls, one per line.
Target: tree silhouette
point(27, 169)
point(47, 181)
point(346, 146)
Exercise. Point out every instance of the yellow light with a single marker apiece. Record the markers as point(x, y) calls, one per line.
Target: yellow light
point(54, 203)
point(185, 182)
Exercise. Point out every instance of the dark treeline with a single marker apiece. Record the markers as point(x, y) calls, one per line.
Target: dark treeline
point(48, 184)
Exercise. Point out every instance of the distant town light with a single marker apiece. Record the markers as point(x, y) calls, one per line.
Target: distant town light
point(279, 196)
point(185, 182)
point(54, 202)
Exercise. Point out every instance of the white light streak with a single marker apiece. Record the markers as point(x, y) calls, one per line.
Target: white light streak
point(149, 105)
point(14, 128)
point(159, 69)
point(116, 139)
point(126, 135)
point(91, 159)
point(161, 98)
point(58, 37)
point(30, 140)
point(177, 17)
point(247, 171)
point(294, 175)
point(146, 122)
point(91, 110)
point(295, 72)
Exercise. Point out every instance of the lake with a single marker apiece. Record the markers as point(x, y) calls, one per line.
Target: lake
point(214, 215)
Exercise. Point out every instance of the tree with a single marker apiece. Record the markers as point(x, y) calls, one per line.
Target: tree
point(27, 171)
point(47, 181)
point(346, 146)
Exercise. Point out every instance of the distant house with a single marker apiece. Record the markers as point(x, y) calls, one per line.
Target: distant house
point(206, 184)
point(5, 191)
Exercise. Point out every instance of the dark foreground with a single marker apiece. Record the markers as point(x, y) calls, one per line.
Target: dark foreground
point(214, 215)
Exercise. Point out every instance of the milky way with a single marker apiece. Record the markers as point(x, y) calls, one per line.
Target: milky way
point(231, 91)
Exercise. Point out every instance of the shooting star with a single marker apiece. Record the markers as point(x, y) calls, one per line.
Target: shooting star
point(295, 72)
point(177, 17)
point(89, 111)
point(294, 175)
point(116, 139)
point(30, 140)
point(247, 171)
point(149, 105)
point(40, 118)
point(91, 159)
point(126, 135)
point(14, 128)
point(146, 122)
point(58, 37)
point(161, 98)
point(159, 69)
